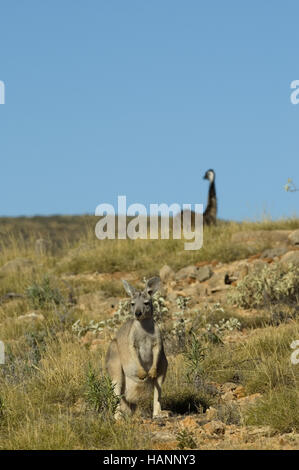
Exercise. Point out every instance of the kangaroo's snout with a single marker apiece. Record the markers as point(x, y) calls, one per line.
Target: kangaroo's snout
point(138, 314)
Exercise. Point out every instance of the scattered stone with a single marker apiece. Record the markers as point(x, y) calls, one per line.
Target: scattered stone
point(204, 273)
point(211, 413)
point(188, 272)
point(189, 423)
point(15, 265)
point(259, 431)
point(228, 279)
point(162, 436)
point(249, 400)
point(217, 282)
point(254, 257)
point(257, 265)
point(228, 396)
point(31, 316)
point(239, 392)
point(11, 296)
point(292, 257)
point(228, 387)
point(42, 247)
point(215, 427)
point(195, 273)
point(166, 274)
point(294, 237)
point(273, 252)
point(255, 237)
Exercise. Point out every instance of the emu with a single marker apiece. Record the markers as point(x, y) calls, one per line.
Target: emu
point(210, 214)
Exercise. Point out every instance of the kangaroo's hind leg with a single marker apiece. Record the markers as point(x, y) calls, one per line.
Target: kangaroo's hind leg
point(115, 371)
point(158, 381)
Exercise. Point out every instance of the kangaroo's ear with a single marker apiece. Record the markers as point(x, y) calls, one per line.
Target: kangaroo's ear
point(129, 289)
point(152, 285)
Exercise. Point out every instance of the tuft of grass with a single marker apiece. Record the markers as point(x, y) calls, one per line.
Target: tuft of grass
point(100, 393)
point(186, 440)
point(44, 294)
point(278, 409)
point(180, 395)
point(261, 363)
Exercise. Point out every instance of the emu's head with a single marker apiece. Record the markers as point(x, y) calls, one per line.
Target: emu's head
point(209, 175)
point(141, 301)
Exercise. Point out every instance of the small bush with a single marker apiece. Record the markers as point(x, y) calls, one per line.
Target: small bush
point(100, 393)
point(44, 294)
point(194, 355)
point(274, 283)
point(186, 440)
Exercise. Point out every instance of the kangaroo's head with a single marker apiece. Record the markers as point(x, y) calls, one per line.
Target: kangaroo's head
point(209, 175)
point(141, 301)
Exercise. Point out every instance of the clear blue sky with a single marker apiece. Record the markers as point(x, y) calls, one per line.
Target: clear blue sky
point(135, 97)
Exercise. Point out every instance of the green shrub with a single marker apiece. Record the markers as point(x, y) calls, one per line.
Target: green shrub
point(274, 283)
point(43, 294)
point(185, 439)
point(100, 393)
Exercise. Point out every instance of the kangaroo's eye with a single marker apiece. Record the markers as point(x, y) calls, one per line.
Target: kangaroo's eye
point(146, 302)
point(132, 303)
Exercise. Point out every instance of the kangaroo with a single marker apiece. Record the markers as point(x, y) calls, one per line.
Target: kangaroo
point(135, 360)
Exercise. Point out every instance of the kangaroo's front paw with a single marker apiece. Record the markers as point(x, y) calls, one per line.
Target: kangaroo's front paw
point(152, 372)
point(141, 374)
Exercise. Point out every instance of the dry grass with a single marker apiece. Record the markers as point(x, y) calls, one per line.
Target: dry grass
point(42, 385)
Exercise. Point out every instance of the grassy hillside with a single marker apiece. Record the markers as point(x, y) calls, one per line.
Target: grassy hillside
point(53, 391)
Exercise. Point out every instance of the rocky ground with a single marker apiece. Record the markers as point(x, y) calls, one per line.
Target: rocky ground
point(210, 282)
point(204, 284)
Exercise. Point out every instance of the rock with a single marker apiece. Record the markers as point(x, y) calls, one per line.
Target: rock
point(228, 387)
point(162, 436)
point(249, 400)
point(31, 316)
point(166, 274)
point(259, 431)
point(215, 427)
point(257, 265)
point(42, 247)
point(88, 338)
point(228, 396)
point(273, 252)
point(294, 237)
point(216, 280)
point(291, 257)
point(211, 413)
point(204, 273)
point(15, 265)
point(242, 271)
point(189, 423)
point(196, 273)
point(239, 392)
point(256, 237)
point(188, 272)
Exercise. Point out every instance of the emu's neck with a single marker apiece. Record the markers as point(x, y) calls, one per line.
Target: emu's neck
point(212, 190)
